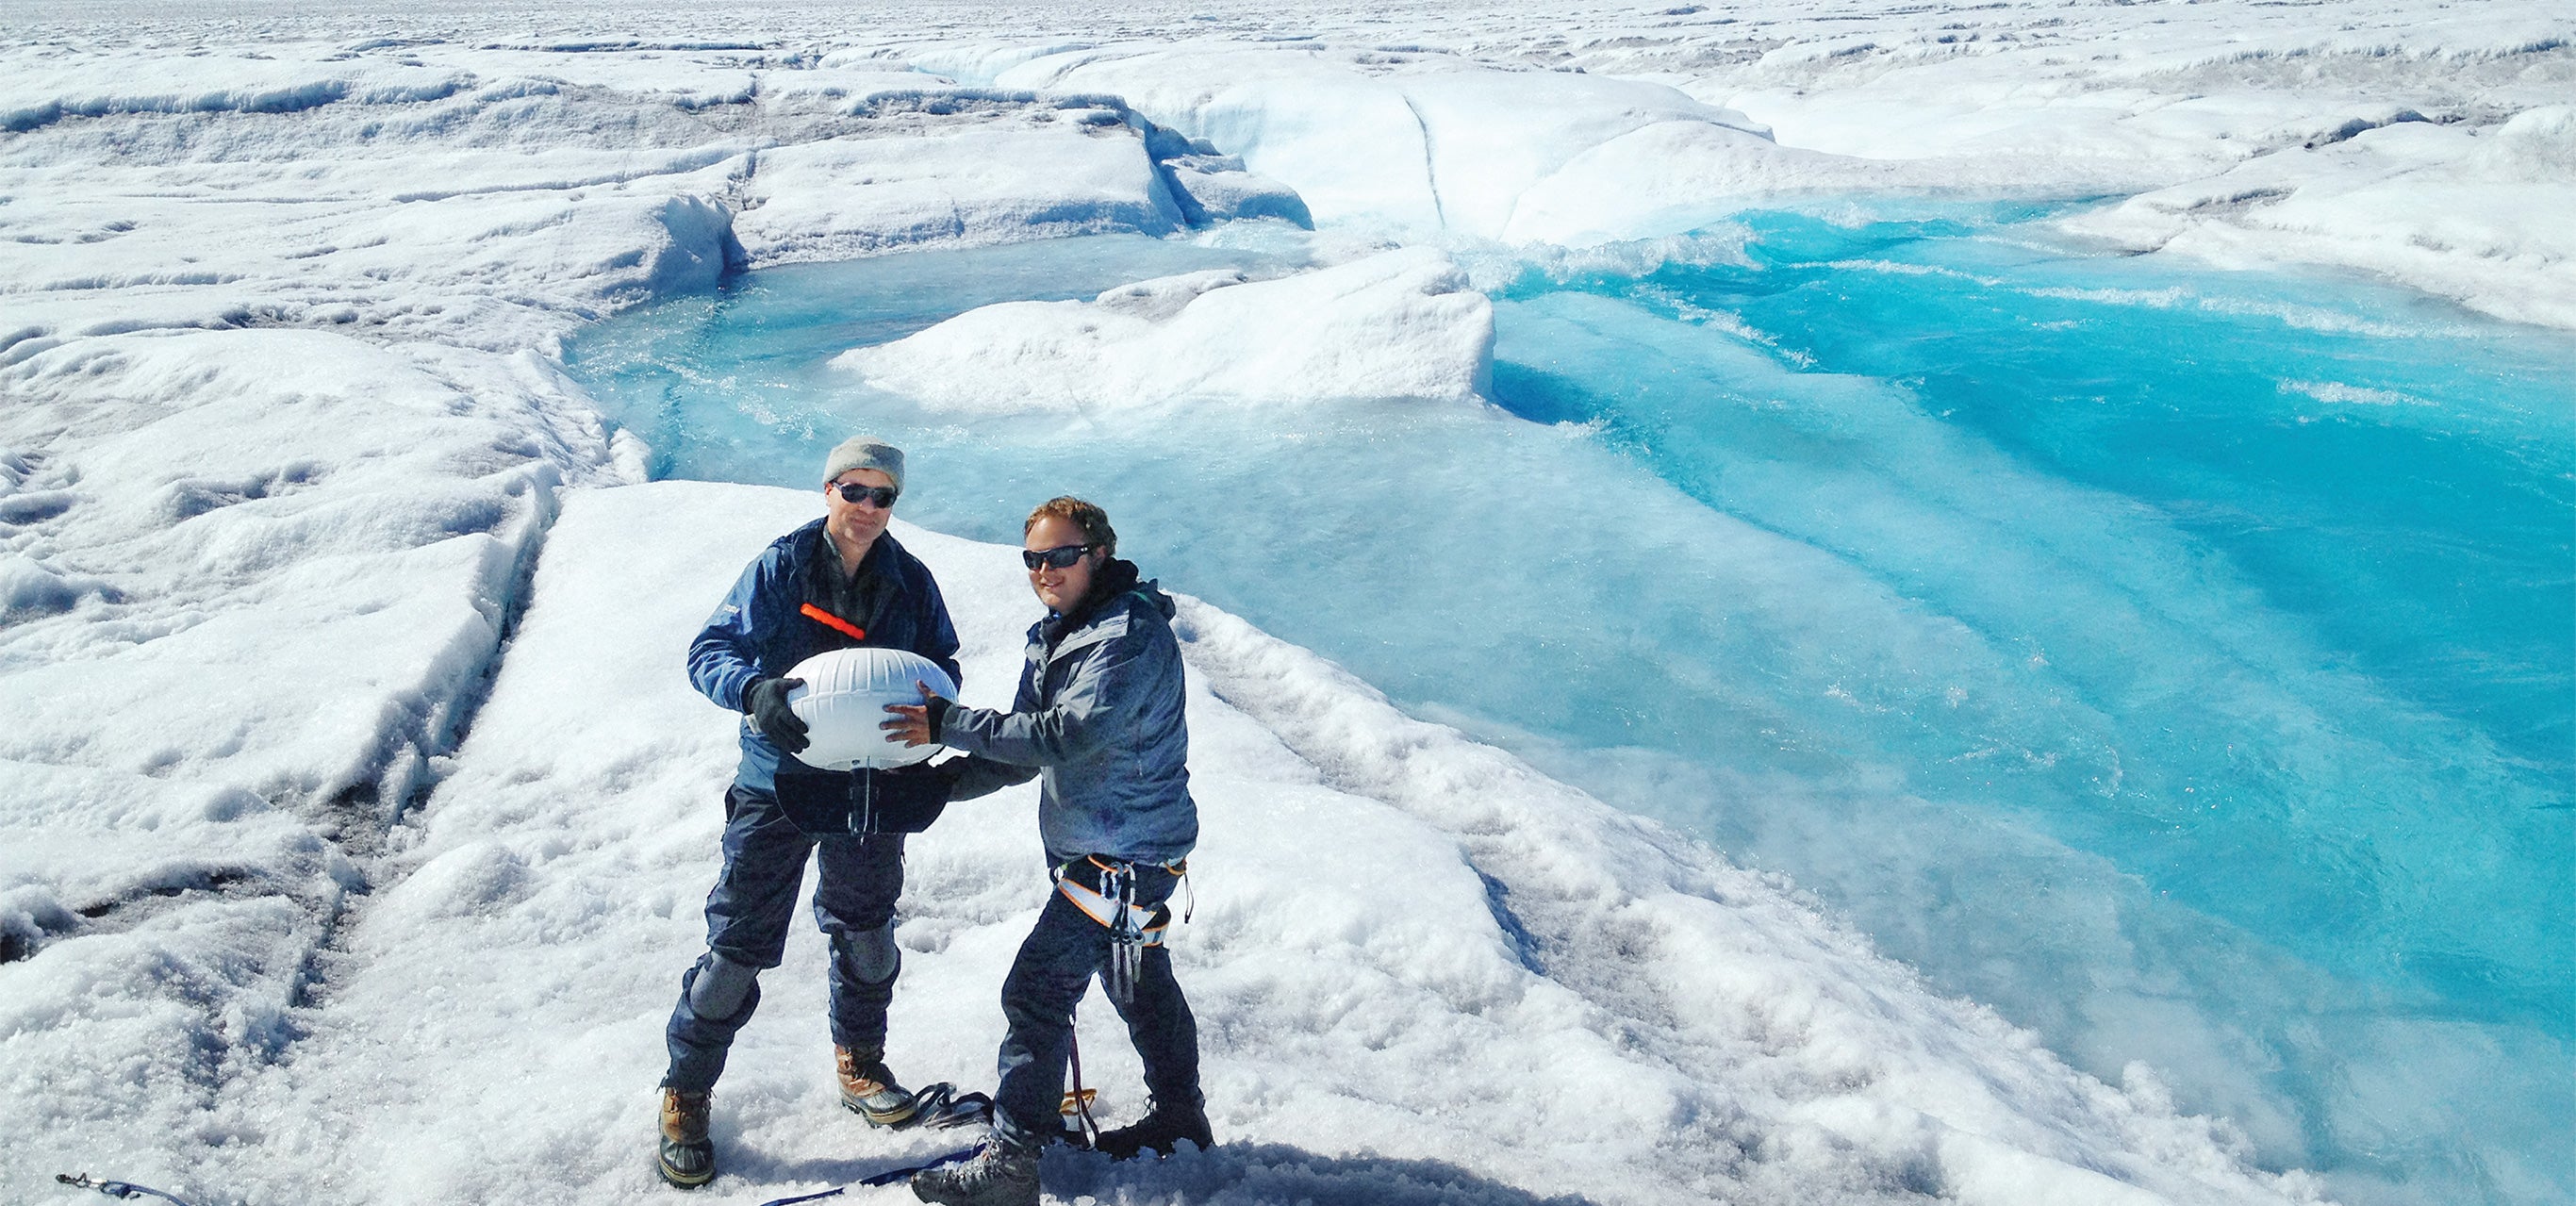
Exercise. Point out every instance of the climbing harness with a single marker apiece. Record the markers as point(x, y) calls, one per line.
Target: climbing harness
point(1132, 927)
point(115, 1189)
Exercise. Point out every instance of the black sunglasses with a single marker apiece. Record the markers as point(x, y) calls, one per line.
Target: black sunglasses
point(1060, 557)
point(879, 497)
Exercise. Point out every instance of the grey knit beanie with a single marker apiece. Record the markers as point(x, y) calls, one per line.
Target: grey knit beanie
point(865, 452)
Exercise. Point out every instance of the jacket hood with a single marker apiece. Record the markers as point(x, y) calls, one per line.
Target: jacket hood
point(1119, 577)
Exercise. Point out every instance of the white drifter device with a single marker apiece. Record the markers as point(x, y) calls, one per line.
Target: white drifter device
point(844, 701)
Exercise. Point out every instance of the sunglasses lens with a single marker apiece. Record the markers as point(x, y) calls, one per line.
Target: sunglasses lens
point(1055, 558)
point(879, 497)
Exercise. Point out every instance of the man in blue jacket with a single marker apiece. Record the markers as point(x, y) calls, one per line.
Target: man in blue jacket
point(838, 582)
point(1099, 719)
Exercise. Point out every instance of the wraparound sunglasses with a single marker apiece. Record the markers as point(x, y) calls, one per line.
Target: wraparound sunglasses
point(879, 497)
point(1060, 557)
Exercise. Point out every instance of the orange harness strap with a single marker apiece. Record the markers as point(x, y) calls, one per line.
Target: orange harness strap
point(836, 623)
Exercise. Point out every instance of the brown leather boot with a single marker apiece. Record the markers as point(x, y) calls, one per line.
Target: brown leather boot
point(688, 1160)
point(869, 1090)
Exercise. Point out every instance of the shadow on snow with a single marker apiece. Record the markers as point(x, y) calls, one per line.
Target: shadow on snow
point(1239, 1173)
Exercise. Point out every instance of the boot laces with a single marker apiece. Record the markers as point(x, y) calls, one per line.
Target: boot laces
point(993, 1164)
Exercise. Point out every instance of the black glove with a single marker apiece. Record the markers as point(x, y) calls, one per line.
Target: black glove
point(766, 702)
point(935, 710)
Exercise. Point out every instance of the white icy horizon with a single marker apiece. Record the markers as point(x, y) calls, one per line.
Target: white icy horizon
point(323, 883)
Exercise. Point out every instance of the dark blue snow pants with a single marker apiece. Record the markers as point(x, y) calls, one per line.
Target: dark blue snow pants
point(748, 913)
point(1054, 968)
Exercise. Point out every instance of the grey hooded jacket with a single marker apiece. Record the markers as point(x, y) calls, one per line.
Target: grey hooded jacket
point(1099, 718)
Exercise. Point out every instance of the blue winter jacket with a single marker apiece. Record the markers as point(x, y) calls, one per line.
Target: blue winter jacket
point(760, 631)
point(1099, 715)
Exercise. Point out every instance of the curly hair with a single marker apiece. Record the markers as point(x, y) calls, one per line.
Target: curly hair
point(1093, 521)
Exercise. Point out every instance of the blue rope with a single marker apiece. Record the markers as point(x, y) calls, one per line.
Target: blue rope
point(888, 1177)
point(892, 1175)
point(835, 1191)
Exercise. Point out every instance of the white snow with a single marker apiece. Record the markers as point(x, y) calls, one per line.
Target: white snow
point(282, 437)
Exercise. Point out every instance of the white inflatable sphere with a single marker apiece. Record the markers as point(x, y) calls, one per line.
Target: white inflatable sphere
point(844, 701)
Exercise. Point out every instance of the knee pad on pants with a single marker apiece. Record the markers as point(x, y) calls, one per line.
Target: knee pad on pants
point(870, 955)
point(721, 987)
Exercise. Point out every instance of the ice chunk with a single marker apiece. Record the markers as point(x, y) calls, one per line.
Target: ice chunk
point(1218, 188)
point(2535, 146)
point(1036, 173)
point(2453, 211)
point(1402, 324)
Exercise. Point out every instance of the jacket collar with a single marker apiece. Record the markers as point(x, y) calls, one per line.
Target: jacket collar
point(1116, 577)
point(810, 546)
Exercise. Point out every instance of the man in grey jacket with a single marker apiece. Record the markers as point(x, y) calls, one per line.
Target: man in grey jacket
point(1099, 719)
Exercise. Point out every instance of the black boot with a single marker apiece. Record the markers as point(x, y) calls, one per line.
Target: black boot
point(688, 1160)
point(1000, 1175)
point(1159, 1131)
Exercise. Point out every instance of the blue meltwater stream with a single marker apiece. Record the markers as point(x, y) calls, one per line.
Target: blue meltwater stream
point(2181, 662)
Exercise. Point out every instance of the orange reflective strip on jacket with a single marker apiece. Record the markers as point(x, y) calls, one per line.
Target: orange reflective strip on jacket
point(836, 623)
